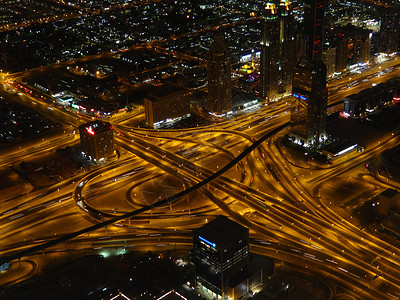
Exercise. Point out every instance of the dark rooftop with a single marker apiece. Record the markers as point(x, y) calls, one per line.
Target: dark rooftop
point(256, 262)
point(310, 65)
point(392, 223)
point(222, 231)
point(95, 126)
point(164, 90)
point(389, 193)
point(240, 97)
point(335, 147)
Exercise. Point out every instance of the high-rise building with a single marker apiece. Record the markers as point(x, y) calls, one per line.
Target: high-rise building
point(97, 140)
point(389, 32)
point(310, 95)
point(277, 50)
point(314, 28)
point(309, 103)
point(329, 59)
point(353, 45)
point(219, 77)
point(299, 46)
point(220, 250)
point(341, 43)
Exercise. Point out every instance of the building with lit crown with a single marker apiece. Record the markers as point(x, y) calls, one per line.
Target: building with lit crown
point(97, 140)
point(277, 50)
point(219, 77)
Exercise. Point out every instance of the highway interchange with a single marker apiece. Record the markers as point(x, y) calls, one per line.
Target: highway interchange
point(275, 195)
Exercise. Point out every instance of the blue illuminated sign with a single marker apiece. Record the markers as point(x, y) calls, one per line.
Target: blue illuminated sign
point(207, 241)
point(303, 98)
point(299, 96)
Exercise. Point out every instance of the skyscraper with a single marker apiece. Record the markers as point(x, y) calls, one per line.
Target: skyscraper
point(341, 42)
point(314, 28)
point(219, 77)
point(277, 43)
point(308, 109)
point(389, 32)
point(358, 43)
point(220, 251)
point(310, 95)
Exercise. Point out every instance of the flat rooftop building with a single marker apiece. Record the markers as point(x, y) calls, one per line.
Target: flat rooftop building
point(165, 104)
point(220, 249)
point(97, 140)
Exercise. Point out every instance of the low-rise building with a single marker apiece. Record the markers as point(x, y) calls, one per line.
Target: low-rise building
point(97, 140)
point(367, 100)
point(165, 104)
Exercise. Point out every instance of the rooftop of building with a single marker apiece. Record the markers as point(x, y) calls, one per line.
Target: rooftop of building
point(351, 29)
point(222, 231)
point(339, 146)
point(164, 90)
point(219, 45)
point(392, 223)
point(256, 263)
point(310, 65)
point(240, 97)
point(376, 90)
point(389, 193)
point(94, 127)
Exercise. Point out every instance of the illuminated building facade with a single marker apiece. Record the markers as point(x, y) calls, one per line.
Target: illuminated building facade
point(329, 59)
point(219, 77)
point(309, 103)
point(359, 45)
point(97, 140)
point(220, 250)
point(353, 46)
point(299, 46)
point(166, 104)
point(341, 52)
point(277, 50)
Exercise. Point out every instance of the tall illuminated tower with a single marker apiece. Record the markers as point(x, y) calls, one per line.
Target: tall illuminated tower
point(277, 41)
point(219, 77)
point(310, 95)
